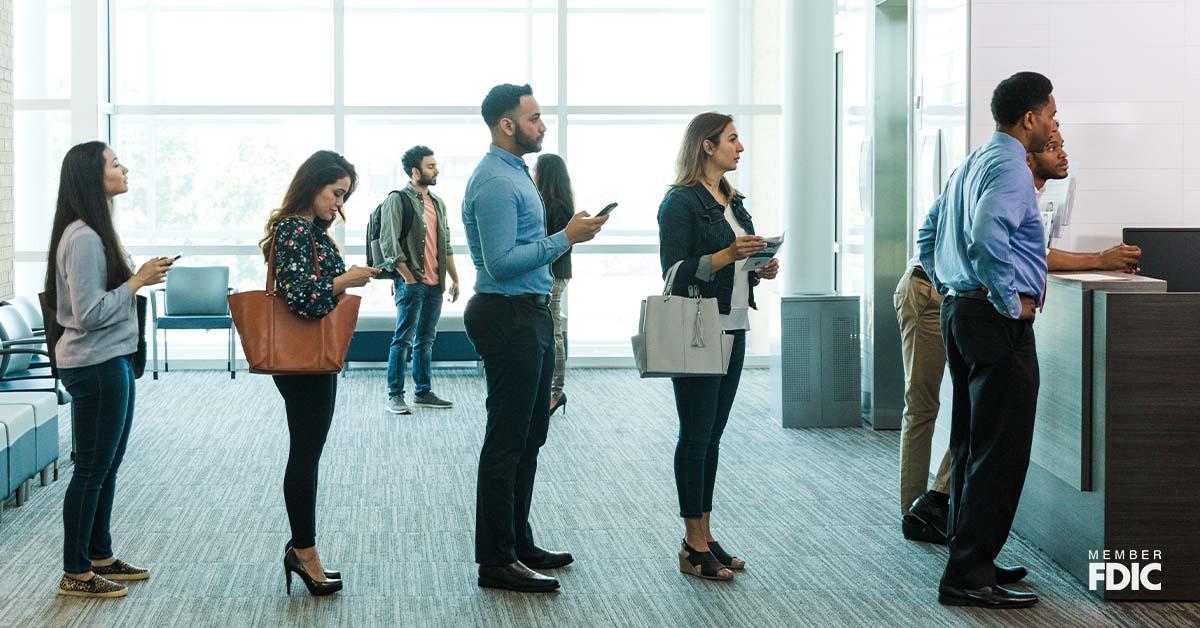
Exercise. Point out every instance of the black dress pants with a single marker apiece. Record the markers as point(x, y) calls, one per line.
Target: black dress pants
point(515, 338)
point(994, 368)
point(309, 401)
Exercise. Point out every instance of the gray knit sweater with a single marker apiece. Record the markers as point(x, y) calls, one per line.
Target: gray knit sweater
point(98, 324)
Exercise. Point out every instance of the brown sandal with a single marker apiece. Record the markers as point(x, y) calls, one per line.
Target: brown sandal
point(701, 564)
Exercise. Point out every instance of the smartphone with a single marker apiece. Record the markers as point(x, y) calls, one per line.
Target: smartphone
point(607, 210)
point(176, 258)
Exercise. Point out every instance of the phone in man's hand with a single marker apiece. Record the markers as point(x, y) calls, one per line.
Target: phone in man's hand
point(607, 210)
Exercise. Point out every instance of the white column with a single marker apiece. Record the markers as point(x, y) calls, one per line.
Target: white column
point(808, 146)
point(724, 49)
point(89, 59)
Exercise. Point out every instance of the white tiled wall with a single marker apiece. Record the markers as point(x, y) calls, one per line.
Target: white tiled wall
point(1126, 75)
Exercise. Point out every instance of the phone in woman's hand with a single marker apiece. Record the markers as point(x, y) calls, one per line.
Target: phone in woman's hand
point(607, 210)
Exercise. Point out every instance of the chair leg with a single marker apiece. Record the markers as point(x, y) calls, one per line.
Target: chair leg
point(45, 476)
point(166, 353)
point(154, 344)
point(22, 493)
point(56, 469)
point(232, 364)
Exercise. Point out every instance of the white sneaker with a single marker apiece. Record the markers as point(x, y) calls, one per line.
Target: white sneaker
point(396, 405)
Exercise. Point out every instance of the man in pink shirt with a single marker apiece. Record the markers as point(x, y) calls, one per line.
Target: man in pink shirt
point(417, 246)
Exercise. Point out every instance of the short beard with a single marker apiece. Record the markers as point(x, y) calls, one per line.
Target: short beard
point(426, 181)
point(527, 143)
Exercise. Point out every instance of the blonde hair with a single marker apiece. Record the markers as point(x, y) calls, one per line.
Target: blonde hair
point(689, 166)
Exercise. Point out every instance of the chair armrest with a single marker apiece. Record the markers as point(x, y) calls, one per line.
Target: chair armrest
point(22, 342)
point(25, 352)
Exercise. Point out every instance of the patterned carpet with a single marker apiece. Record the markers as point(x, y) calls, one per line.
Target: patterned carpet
point(811, 510)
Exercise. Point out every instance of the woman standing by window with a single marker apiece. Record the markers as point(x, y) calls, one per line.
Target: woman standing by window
point(314, 199)
point(554, 184)
point(704, 228)
point(89, 274)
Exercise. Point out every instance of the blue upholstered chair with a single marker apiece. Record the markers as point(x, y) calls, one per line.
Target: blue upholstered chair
point(196, 297)
point(31, 311)
point(23, 356)
point(19, 431)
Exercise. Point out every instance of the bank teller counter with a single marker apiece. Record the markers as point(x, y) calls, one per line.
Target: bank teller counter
point(1115, 462)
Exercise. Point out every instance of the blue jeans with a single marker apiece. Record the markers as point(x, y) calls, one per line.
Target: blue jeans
point(101, 417)
point(418, 308)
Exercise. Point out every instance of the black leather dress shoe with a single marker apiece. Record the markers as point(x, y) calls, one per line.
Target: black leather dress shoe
point(515, 577)
point(1010, 575)
point(985, 597)
point(545, 559)
point(926, 519)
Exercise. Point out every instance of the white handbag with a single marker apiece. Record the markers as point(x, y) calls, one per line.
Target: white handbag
point(681, 336)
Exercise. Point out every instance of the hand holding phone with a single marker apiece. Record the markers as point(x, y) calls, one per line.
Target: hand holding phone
point(606, 211)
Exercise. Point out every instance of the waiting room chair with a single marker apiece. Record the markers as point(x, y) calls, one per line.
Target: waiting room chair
point(195, 297)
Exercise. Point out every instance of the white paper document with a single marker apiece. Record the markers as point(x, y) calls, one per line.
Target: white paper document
point(764, 257)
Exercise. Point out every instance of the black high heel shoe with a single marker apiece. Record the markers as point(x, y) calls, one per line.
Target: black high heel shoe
point(292, 565)
point(560, 402)
point(332, 575)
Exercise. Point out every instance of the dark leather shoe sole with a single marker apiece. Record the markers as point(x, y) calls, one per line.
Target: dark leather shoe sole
point(557, 562)
point(950, 599)
point(916, 530)
point(489, 583)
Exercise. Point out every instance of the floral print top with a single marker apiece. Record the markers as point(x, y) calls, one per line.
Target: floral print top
point(308, 294)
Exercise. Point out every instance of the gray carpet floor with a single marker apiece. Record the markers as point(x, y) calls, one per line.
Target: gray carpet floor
point(812, 511)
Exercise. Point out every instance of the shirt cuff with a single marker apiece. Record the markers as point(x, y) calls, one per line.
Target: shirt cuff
point(560, 241)
point(704, 270)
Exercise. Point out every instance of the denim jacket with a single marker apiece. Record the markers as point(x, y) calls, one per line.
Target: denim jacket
point(691, 228)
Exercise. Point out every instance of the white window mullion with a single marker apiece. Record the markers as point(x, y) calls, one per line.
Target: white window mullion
point(339, 92)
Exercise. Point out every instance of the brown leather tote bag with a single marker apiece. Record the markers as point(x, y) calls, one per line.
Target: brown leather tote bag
point(278, 342)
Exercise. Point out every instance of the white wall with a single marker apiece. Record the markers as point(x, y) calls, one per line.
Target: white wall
point(1126, 75)
point(6, 148)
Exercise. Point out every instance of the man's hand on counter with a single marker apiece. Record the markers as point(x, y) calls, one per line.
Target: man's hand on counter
point(1123, 257)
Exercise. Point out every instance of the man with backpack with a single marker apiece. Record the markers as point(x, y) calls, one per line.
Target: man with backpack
point(408, 237)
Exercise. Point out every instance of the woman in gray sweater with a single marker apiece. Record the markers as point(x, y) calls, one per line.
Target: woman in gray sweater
point(94, 287)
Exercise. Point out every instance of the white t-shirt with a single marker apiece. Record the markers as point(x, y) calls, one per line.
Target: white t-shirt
point(739, 303)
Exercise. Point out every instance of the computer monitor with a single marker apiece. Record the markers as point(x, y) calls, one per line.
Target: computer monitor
point(1168, 253)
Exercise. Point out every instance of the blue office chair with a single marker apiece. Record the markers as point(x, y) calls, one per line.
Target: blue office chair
point(196, 297)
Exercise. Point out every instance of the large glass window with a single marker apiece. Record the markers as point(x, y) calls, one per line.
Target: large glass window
point(213, 104)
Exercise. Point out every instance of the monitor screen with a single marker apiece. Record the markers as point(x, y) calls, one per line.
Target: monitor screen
point(1171, 254)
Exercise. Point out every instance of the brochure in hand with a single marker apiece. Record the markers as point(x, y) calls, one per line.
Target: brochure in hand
point(763, 257)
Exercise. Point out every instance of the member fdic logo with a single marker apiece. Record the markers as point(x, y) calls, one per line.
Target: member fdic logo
point(1120, 570)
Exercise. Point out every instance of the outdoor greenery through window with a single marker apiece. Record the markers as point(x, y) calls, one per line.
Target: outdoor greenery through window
point(214, 103)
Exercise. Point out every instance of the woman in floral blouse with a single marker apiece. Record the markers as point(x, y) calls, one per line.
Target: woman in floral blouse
point(314, 199)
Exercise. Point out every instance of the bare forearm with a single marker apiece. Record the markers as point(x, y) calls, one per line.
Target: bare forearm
point(402, 268)
point(451, 269)
point(1058, 260)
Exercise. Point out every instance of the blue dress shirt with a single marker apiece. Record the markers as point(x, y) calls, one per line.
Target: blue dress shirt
point(505, 223)
point(985, 230)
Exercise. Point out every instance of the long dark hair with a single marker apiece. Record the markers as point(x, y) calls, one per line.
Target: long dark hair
point(554, 183)
point(322, 168)
point(81, 196)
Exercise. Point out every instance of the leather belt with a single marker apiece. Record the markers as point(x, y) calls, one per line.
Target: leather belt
point(536, 299)
point(917, 271)
point(979, 293)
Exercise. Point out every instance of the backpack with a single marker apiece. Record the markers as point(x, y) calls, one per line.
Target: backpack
point(374, 225)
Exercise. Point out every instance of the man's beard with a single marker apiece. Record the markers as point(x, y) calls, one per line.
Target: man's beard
point(528, 143)
point(427, 181)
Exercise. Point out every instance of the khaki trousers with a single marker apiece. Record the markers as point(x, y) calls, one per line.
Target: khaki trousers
point(918, 309)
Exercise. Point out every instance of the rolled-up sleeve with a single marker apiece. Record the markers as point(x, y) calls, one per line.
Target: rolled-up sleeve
point(86, 271)
point(989, 250)
point(496, 203)
point(927, 242)
point(391, 224)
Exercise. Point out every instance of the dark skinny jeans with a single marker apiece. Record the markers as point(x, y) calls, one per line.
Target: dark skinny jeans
point(703, 404)
point(101, 418)
point(309, 402)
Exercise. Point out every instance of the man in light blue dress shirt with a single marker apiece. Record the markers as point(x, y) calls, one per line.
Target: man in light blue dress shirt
point(982, 245)
point(508, 320)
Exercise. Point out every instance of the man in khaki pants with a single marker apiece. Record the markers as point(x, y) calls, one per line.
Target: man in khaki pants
point(918, 308)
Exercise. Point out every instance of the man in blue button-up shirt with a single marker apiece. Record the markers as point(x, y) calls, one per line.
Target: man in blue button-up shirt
point(508, 320)
point(982, 245)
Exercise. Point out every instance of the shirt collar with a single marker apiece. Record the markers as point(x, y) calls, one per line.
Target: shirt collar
point(508, 158)
point(1010, 143)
